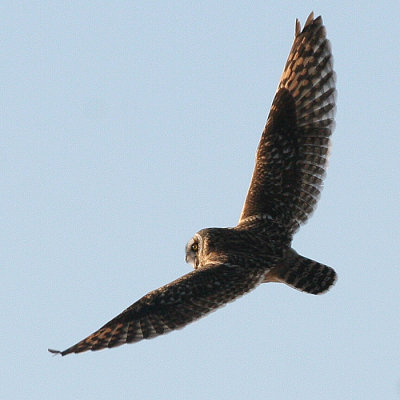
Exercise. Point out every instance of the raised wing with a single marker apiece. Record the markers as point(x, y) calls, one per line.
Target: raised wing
point(292, 153)
point(173, 306)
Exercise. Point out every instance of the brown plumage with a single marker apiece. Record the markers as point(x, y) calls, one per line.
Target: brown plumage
point(286, 184)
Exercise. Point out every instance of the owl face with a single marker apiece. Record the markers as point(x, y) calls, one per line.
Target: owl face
point(193, 248)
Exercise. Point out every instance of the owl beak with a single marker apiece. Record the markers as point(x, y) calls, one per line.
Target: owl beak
point(190, 259)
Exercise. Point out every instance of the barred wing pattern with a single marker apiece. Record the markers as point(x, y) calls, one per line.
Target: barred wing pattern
point(173, 306)
point(292, 153)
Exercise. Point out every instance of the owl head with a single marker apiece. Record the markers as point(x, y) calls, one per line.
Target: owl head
point(210, 245)
point(193, 250)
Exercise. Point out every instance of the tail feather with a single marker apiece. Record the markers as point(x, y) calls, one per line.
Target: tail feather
point(303, 274)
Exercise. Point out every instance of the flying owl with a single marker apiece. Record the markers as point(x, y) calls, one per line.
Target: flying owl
point(284, 189)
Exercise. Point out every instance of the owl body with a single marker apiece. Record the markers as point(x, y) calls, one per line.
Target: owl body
point(237, 245)
point(286, 183)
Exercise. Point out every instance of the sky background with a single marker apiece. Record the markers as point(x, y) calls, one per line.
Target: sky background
point(128, 126)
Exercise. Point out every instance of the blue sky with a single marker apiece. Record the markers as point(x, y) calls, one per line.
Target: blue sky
point(128, 126)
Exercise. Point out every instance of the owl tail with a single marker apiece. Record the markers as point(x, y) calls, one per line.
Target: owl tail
point(303, 274)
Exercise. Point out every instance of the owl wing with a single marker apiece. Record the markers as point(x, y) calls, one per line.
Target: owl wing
point(292, 153)
point(173, 306)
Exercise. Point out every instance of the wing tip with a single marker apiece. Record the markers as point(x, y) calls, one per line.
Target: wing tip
point(310, 21)
point(64, 352)
point(297, 28)
point(55, 352)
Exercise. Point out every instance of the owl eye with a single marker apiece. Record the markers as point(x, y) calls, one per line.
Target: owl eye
point(195, 247)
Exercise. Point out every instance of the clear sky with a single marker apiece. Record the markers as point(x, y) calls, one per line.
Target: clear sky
point(126, 127)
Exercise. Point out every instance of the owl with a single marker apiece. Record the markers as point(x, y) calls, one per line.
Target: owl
point(284, 189)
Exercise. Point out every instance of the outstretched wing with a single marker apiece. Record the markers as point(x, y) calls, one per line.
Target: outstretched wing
point(293, 149)
point(173, 306)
